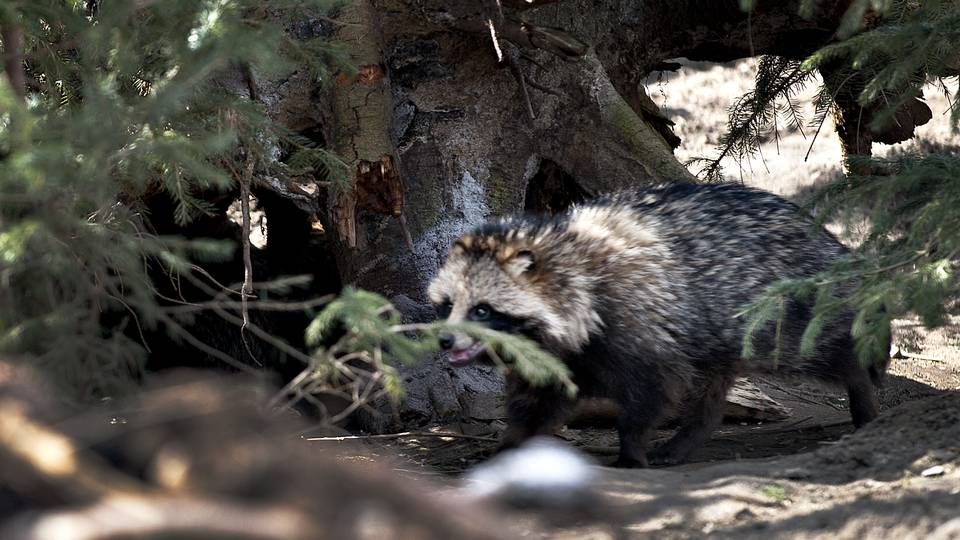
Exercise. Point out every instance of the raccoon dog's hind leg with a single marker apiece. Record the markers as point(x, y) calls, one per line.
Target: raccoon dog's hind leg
point(698, 423)
point(532, 411)
point(862, 384)
point(837, 351)
point(864, 406)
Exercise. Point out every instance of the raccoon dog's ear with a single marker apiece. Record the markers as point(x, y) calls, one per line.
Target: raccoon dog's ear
point(522, 262)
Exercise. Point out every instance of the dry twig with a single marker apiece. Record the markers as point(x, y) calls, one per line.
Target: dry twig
point(402, 434)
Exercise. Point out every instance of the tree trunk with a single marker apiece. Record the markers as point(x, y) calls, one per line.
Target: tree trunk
point(469, 132)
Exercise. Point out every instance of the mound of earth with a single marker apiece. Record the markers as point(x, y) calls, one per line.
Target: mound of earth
point(899, 477)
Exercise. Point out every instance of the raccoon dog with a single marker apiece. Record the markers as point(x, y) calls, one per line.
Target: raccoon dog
point(637, 293)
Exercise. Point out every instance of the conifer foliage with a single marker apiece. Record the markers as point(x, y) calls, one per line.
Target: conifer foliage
point(103, 102)
point(908, 261)
point(370, 341)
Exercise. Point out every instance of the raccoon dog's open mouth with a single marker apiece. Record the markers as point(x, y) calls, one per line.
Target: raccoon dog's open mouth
point(462, 357)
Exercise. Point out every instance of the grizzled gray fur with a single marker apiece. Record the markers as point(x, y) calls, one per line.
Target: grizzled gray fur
point(637, 293)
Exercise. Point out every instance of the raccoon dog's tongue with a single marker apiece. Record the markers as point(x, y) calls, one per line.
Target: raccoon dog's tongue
point(460, 357)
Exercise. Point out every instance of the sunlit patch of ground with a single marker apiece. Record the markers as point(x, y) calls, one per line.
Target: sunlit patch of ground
point(698, 96)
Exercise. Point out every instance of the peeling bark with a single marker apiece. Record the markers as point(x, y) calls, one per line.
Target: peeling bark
point(359, 130)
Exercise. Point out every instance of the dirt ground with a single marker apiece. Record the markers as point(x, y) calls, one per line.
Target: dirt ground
point(809, 475)
point(806, 476)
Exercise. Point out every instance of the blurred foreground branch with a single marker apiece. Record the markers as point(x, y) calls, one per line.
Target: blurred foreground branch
point(196, 458)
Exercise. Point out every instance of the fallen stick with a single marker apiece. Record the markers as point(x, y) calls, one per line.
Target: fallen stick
point(402, 434)
point(900, 353)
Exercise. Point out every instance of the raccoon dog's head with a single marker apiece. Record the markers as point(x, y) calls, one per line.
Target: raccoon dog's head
point(504, 279)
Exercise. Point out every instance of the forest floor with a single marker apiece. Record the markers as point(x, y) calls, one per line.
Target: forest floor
point(809, 475)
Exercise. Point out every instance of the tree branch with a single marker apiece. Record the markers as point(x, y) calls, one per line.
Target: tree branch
point(141, 516)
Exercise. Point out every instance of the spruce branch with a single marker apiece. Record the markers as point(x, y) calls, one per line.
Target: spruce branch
point(128, 102)
point(907, 265)
point(359, 343)
point(755, 114)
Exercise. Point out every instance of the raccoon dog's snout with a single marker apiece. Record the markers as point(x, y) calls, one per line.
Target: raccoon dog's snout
point(446, 341)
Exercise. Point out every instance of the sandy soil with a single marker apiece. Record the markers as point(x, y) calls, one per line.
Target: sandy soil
point(871, 484)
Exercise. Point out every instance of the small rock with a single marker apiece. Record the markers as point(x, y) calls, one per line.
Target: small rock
point(541, 470)
point(936, 470)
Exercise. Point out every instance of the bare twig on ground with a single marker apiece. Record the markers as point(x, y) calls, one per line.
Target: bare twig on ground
point(404, 434)
point(793, 424)
point(801, 397)
point(900, 353)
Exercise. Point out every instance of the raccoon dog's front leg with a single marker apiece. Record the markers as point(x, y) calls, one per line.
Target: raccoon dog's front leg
point(642, 404)
point(532, 410)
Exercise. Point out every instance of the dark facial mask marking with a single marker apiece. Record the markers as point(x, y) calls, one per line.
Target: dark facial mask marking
point(443, 310)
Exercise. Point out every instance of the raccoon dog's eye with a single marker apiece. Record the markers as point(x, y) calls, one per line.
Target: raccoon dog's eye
point(443, 310)
point(480, 312)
